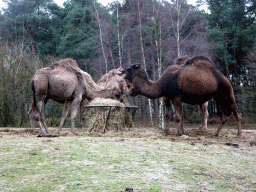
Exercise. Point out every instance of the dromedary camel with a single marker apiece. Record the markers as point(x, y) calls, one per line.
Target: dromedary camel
point(203, 107)
point(113, 80)
point(66, 83)
point(110, 80)
point(196, 82)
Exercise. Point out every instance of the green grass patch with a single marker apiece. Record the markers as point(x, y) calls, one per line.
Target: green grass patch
point(74, 163)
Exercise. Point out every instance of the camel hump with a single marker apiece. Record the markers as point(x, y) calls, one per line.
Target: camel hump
point(181, 60)
point(197, 76)
point(200, 61)
point(67, 63)
point(70, 65)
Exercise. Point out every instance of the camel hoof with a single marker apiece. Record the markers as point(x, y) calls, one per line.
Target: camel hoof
point(179, 134)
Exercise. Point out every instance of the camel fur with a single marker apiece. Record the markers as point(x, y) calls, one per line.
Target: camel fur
point(179, 62)
point(110, 80)
point(195, 82)
point(66, 83)
point(113, 80)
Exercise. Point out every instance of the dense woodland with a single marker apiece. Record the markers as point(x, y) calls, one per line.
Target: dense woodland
point(35, 33)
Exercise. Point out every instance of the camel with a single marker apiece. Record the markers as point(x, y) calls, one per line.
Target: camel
point(66, 83)
point(110, 80)
point(195, 82)
point(203, 107)
point(179, 62)
point(113, 80)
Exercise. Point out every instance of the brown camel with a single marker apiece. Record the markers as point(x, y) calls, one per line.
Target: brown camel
point(66, 83)
point(196, 82)
point(203, 107)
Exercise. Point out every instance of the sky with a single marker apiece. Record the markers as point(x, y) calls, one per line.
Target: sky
point(104, 2)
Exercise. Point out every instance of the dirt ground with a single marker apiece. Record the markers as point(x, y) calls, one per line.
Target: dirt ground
point(192, 135)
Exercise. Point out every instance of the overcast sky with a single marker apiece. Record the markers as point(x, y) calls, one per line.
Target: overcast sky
point(104, 2)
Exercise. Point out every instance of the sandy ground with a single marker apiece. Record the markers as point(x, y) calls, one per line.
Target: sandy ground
point(192, 135)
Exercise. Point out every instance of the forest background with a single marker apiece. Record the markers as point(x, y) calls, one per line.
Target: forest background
point(35, 33)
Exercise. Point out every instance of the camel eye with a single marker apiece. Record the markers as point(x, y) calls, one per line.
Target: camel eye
point(129, 86)
point(117, 96)
point(136, 66)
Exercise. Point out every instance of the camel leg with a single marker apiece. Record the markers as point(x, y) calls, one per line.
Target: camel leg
point(179, 119)
point(31, 118)
point(64, 113)
point(42, 118)
point(168, 113)
point(238, 116)
point(223, 119)
point(74, 108)
point(34, 114)
point(82, 111)
point(205, 114)
point(81, 120)
point(44, 124)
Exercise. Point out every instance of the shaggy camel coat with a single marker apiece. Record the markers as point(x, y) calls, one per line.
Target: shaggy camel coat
point(66, 83)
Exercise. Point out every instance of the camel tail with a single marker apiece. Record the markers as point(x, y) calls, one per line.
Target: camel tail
point(33, 104)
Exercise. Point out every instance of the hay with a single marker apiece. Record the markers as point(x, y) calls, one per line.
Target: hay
point(119, 117)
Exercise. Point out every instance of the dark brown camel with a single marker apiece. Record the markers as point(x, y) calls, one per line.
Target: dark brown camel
point(196, 82)
point(66, 83)
point(203, 107)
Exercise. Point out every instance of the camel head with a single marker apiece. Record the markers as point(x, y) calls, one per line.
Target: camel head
point(134, 71)
point(117, 94)
point(181, 60)
point(134, 75)
point(114, 80)
point(131, 90)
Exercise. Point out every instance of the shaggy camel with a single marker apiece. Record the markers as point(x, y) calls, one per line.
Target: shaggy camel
point(111, 80)
point(66, 83)
point(196, 82)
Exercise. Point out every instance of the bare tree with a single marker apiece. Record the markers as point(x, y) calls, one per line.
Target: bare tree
point(118, 34)
point(178, 24)
point(144, 61)
point(158, 43)
point(101, 39)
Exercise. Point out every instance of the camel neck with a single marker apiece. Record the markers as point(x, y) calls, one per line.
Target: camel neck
point(150, 89)
point(92, 93)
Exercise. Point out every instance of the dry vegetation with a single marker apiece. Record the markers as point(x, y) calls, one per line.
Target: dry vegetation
point(118, 116)
point(144, 159)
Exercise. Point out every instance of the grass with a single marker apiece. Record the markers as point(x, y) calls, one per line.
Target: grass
point(112, 162)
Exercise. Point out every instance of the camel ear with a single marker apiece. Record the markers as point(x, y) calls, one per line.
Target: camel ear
point(123, 75)
point(136, 66)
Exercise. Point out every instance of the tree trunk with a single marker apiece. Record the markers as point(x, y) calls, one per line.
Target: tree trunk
point(145, 68)
point(118, 35)
point(159, 63)
point(101, 40)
